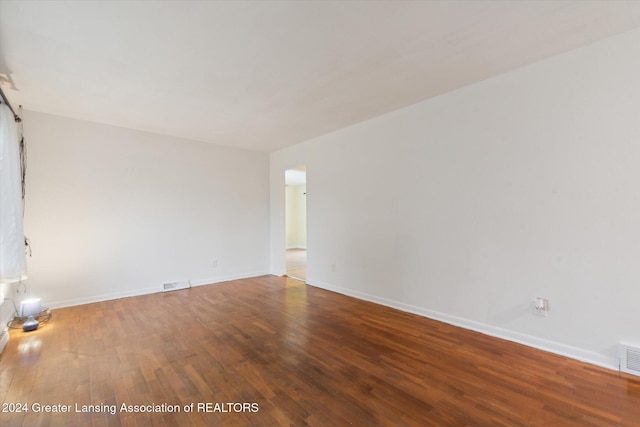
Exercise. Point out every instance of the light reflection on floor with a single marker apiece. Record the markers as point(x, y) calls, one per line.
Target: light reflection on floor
point(295, 313)
point(30, 348)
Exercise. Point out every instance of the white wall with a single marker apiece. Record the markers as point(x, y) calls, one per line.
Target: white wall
point(467, 206)
point(113, 212)
point(296, 216)
point(6, 307)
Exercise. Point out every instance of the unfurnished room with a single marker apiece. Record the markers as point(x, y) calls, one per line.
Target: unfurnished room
point(324, 213)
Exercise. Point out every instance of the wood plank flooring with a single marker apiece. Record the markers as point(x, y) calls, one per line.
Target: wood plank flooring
point(301, 356)
point(296, 260)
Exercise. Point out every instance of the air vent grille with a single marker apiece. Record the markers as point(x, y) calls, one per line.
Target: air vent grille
point(630, 359)
point(174, 286)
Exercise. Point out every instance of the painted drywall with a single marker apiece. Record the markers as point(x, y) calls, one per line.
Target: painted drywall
point(4, 291)
point(467, 206)
point(296, 216)
point(113, 212)
point(7, 310)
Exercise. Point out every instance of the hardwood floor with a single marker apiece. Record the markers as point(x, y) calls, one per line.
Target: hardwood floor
point(297, 263)
point(302, 356)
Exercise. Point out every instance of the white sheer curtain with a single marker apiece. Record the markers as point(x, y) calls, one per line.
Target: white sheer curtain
point(13, 263)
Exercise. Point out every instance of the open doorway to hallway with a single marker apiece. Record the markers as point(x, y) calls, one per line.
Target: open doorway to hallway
point(296, 222)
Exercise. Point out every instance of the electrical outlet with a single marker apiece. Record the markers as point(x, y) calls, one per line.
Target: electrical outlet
point(214, 263)
point(333, 268)
point(540, 306)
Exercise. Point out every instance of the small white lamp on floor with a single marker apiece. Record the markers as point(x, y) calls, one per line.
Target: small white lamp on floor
point(30, 307)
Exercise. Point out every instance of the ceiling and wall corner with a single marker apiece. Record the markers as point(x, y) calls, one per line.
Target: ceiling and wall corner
point(266, 75)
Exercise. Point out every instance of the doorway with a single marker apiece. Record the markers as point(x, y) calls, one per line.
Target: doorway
point(296, 222)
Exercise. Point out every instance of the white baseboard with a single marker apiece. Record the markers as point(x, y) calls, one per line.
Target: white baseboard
point(102, 297)
point(528, 340)
point(220, 279)
point(145, 291)
point(4, 338)
point(577, 353)
point(278, 272)
point(7, 313)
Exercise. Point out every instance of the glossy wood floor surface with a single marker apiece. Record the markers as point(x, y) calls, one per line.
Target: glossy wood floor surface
point(296, 260)
point(301, 356)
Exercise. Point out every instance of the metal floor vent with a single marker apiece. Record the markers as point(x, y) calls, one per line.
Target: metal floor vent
point(630, 359)
point(174, 286)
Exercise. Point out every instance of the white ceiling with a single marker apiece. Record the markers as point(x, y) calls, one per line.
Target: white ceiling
point(266, 75)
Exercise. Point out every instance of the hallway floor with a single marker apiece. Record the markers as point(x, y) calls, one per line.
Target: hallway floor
point(297, 264)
